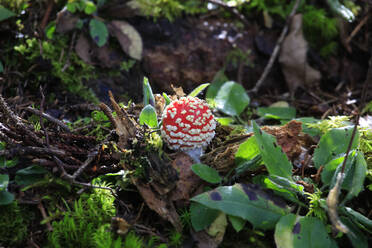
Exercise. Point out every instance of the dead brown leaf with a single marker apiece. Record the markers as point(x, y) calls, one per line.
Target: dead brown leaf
point(297, 72)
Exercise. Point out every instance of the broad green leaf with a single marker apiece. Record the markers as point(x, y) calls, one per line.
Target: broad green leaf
point(277, 113)
point(354, 179)
point(278, 189)
point(306, 232)
point(202, 216)
point(232, 99)
point(358, 217)
point(71, 7)
point(4, 180)
point(148, 116)
point(1, 67)
point(355, 173)
point(355, 235)
point(148, 96)
point(30, 175)
point(6, 197)
point(218, 80)
point(5, 13)
point(247, 151)
point(275, 159)
point(224, 121)
point(206, 173)
point(333, 143)
point(98, 31)
point(198, 89)
point(237, 222)
point(90, 8)
point(247, 201)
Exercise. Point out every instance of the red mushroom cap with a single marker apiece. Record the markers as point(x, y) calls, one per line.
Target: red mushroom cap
point(188, 123)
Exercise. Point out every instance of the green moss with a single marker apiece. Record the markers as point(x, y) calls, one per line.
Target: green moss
point(14, 221)
point(170, 9)
point(86, 223)
point(66, 66)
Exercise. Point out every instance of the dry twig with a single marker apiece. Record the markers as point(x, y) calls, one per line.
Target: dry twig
point(275, 53)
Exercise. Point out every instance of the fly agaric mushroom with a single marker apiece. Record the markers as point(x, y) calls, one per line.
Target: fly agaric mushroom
point(188, 124)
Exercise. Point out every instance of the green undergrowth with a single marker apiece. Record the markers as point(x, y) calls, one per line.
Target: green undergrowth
point(14, 221)
point(66, 66)
point(86, 223)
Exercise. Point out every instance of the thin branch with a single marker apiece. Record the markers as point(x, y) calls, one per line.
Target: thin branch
point(49, 118)
point(32, 150)
point(275, 53)
point(17, 121)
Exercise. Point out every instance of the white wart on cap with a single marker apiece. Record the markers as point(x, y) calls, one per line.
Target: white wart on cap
point(188, 123)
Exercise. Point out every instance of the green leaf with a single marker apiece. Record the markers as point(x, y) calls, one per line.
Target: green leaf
point(50, 29)
point(365, 223)
point(296, 231)
point(90, 8)
point(148, 96)
point(1, 67)
point(277, 113)
point(333, 143)
point(247, 201)
point(224, 121)
point(98, 31)
point(232, 99)
point(198, 89)
point(6, 197)
point(237, 222)
point(148, 116)
point(247, 151)
point(275, 159)
point(355, 235)
point(355, 173)
point(287, 184)
point(4, 180)
point(71, 7)
point(306, 129)
point(5, 13)
point(167, 99)
point(206, 173)
point(30, 175)
point(202, 216)
point(218, 80)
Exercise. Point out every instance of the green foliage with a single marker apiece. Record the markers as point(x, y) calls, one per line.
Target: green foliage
point(320, 30)
point(70, 70)
point(15, 5)
point(148, 116)
point(298, 231)
point(84, 225)
point(232, 99)
point(316, 205)
point(170, 9)
point(14, 220)
point(278, 113)
point(206, 173)
point(98, 31)
point(5, 13)
point(133, 241)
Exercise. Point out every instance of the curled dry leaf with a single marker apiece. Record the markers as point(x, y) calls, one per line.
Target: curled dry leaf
point(66, 21)
point(83, 49)
point(297, 72)
point(128, 37)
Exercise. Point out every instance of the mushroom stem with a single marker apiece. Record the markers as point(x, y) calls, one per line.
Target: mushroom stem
point(195, 154)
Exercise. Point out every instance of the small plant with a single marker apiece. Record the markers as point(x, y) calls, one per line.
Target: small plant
point(85, 224)
point(15, 218)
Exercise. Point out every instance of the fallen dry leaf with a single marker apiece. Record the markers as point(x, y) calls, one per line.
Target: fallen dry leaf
point(297, 72)
point(128, 37)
